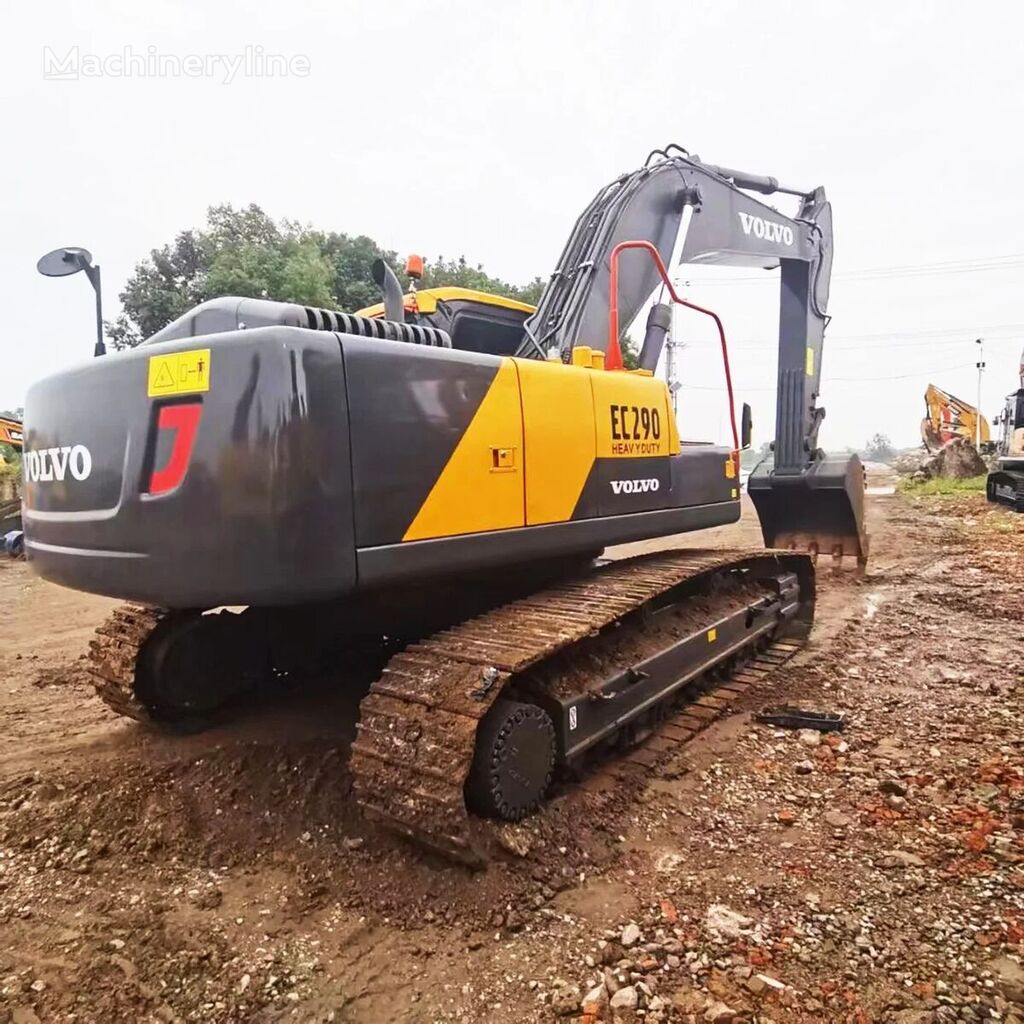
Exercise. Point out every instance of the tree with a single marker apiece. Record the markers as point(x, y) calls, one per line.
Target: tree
point(630, 352)
point(880, 449)
point(245, 252)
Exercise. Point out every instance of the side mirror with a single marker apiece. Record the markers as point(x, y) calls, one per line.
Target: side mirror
point(746, 427)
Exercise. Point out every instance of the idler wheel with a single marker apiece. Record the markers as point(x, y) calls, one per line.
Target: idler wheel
point(513, 761)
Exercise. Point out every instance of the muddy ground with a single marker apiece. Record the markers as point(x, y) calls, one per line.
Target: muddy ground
point(757, 874)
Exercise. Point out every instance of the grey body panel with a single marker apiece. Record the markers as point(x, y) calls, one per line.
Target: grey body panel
point(264, 511)
point(429, 559)
point(696, 476)
point(429, 397)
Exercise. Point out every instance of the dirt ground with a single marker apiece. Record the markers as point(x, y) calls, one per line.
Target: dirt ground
point(759, 874)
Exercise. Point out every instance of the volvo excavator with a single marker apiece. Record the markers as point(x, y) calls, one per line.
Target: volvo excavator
point(1005, 484)
point(431, 481)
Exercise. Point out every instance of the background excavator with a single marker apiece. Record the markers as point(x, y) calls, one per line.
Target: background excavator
point(11, 434)
point(1005, 484)
point(432, 485)
point(947, 417)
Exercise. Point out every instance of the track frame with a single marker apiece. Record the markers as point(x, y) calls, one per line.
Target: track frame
point(625, 697)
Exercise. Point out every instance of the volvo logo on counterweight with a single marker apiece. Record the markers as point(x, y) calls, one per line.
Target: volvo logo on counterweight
point(634, 486)
point(48, 464)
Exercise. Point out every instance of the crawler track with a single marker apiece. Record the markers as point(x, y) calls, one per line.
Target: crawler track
point(418, 724)
point(113, 653)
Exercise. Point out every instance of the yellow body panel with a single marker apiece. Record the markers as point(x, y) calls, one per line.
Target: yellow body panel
point(632, 415)
point(481, 487)
point(558, 434)
point(431, 296)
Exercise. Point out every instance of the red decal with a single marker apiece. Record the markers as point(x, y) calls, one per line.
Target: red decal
point(184, 421)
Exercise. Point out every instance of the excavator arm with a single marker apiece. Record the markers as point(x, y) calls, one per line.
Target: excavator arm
point(698, 213)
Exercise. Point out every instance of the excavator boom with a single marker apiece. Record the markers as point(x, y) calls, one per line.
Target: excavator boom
point(698, 213)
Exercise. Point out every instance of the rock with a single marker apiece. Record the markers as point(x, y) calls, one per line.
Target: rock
point(803, 767)
point(625, 999)
point(630, 935)
point(809, 737)
point(595, 1000)
point(514, 839)
point(565, 1000)
point(957, 459)
point(836, 819)
point(718, 1012)
point(1009, 978)
point(353, 843)
point(755, 984)
point(207, 898)
point(769, 982)
point(901, 859)
point(912, 1017)
point(725, 924)
point(893, 786)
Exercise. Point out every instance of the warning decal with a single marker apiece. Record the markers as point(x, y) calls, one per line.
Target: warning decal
point(179, 373)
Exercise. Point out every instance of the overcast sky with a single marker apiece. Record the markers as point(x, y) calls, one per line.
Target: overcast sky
point(483, 129)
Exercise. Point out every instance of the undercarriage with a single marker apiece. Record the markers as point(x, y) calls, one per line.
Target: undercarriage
point(475, 717)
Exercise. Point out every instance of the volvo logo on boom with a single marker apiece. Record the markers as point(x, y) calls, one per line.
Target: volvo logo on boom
point(49, 464)
point(634, 486)
point(769, 230)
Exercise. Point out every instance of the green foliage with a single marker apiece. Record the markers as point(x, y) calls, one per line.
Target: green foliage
point(245, 252)
point(630, 352)
point(943, 485)
point(880, 449)
point(10, 461)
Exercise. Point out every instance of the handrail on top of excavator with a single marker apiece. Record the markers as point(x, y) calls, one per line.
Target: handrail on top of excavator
point(613, 357)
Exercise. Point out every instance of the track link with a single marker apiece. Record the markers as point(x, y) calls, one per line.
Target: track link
point(418, 724)
point(113, 653)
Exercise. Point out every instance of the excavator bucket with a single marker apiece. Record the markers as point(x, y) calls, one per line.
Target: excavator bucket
point(819, 509)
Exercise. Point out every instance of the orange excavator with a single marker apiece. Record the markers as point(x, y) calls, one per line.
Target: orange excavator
point(947, 417)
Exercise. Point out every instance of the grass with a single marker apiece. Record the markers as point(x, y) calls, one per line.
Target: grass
point(943, 485)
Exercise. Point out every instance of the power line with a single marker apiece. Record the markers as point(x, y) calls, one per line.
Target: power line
point(968, 266)
point(836, 380)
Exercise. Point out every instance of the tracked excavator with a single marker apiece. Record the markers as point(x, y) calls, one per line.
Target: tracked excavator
point(1005, 484)
point(430, 482)
point(947, 417)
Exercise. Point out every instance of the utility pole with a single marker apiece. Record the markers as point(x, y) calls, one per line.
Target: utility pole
point(981, 369)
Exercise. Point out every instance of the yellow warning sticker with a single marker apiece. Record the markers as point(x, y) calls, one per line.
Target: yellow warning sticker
point(810, 361)
point(179, 373)
point(712, 635)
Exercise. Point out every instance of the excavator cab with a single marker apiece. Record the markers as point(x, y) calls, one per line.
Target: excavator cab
point(475, 321)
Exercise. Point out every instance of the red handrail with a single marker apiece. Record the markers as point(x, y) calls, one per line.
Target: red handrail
point(613, 357)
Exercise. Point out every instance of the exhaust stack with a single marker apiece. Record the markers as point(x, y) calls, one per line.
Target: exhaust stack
point(386, 280)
